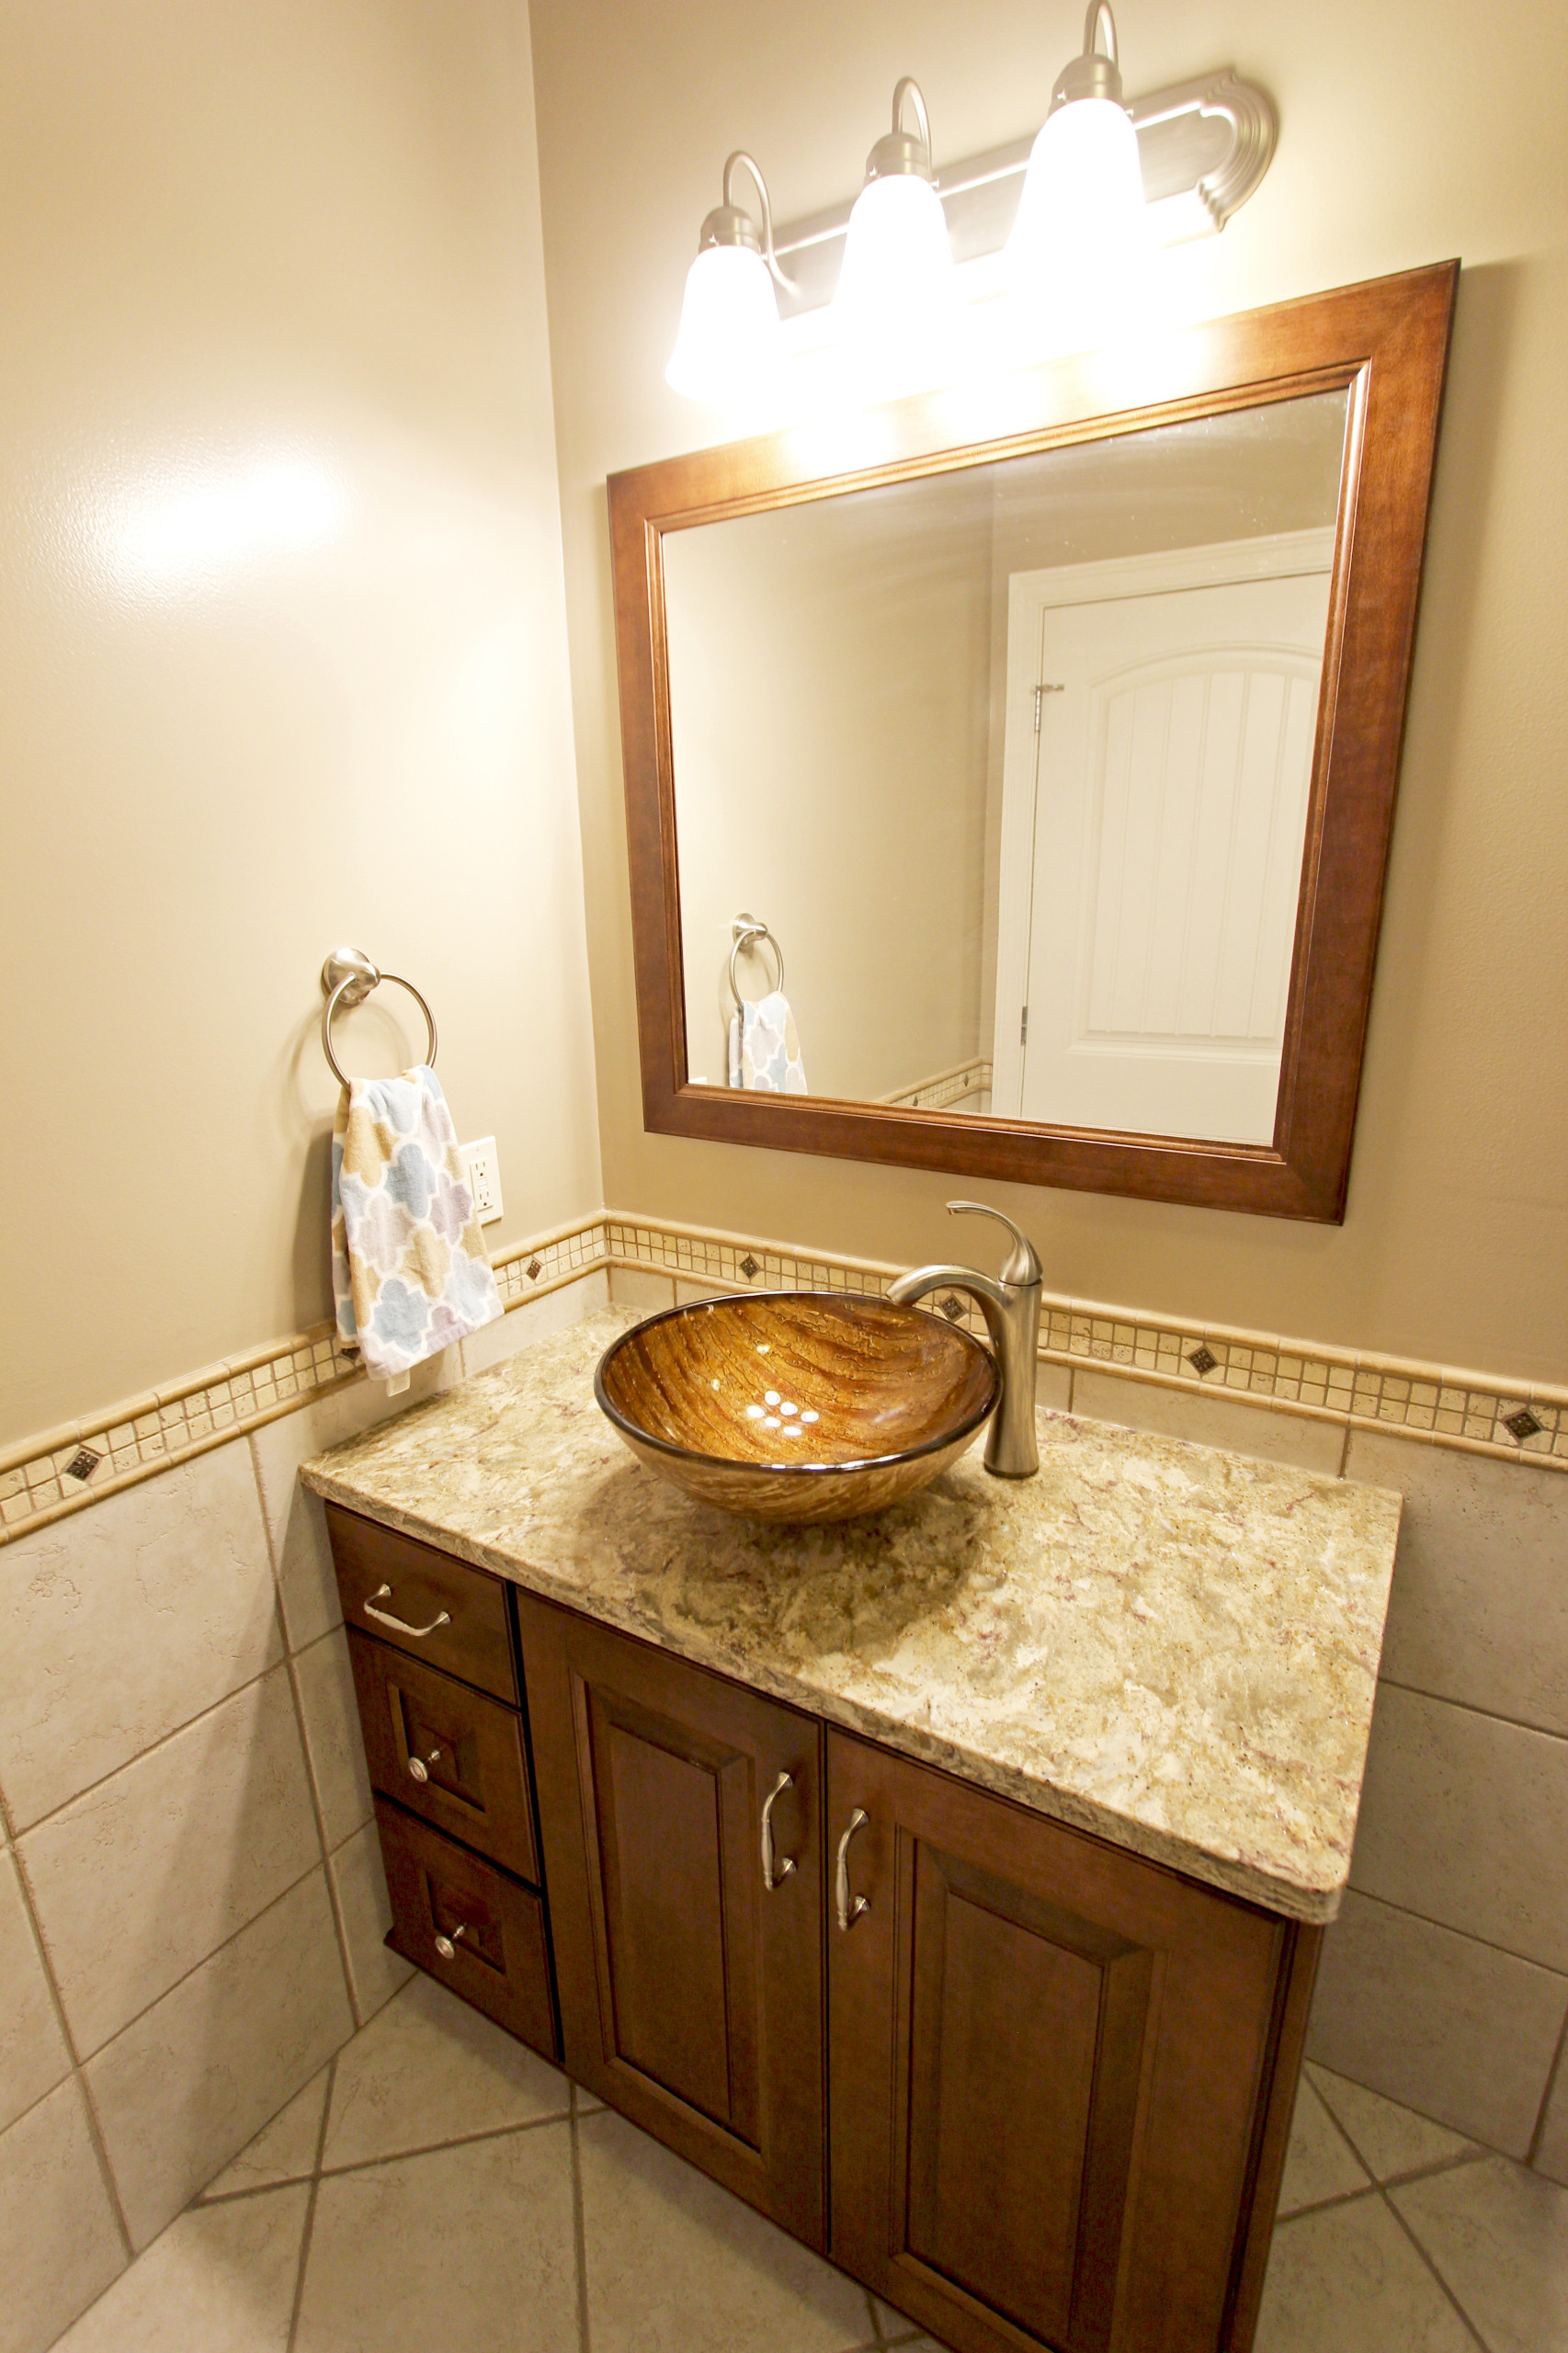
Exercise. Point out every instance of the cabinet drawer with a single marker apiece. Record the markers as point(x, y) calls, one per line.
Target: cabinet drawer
point(446, 1752)
point(434, 1608)
point(496, 1948)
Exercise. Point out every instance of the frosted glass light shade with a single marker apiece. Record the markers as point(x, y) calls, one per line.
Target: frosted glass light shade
point(1080, 247)
point(897, 305)
point(730, 344)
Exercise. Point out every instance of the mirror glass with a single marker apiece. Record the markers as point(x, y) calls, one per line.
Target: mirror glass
point(1013, 762)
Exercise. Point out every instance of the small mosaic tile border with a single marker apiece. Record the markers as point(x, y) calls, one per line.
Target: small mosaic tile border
point(66, 1469)
point(948, 1087)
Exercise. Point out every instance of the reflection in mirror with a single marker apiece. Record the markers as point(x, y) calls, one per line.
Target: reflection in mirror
point(1013, 762)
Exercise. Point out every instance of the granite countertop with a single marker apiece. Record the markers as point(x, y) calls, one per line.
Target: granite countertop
point(1170, 1646)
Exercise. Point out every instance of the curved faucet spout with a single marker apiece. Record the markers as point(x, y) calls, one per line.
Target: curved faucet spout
point(1012, 1317)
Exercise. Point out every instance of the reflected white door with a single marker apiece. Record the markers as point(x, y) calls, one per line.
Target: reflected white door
point(1152, 834)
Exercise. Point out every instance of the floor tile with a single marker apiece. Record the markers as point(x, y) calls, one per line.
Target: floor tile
point(1391, 2140)
point(676, 2264)
point(284, 2149)
point(465, 2250)
point(220, 2280)
point(428, 2069)
point(1318, 2164)
point(1347, 2280)
point(1499, 2236)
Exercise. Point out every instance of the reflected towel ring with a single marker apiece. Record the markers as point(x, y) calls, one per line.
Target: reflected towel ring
point(746, 931)
point(346, 978)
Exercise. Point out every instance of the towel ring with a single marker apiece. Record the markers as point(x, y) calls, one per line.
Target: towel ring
point(746, 932)
point(346, 978)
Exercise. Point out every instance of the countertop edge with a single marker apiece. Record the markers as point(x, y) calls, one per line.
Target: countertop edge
point(1313, 1904)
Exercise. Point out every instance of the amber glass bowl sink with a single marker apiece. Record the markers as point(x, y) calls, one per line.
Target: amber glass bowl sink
point(797, 1404)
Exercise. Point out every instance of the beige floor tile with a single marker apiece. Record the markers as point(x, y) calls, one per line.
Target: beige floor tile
point(333, 1738)
point(1391, 2140)
point(58, 2243)
point(218, 2280)
point(375, 1973)
point(461, 2251)
point(141, 1877)
point(1551, 2157)
point(1445, 2025)
point(1318, 2166)
point(33, 2056)
point(429, 2069)
point(1209, 1417)
point(1499, 2236)
point(676, 2264)
point(192, 2080)
point(183, 1612)
point(284, 2149)
point(1347, 2280)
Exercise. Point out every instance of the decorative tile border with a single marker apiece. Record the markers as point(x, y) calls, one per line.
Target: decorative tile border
point(66, 1469)
point(945, 1088)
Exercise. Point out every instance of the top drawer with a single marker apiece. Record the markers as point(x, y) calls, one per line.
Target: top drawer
point(429, 1605)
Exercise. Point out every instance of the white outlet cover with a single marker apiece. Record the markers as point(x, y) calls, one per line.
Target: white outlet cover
point(483, 1164)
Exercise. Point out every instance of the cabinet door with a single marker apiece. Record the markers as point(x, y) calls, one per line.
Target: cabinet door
point(689, 1985)
point(1046, 2070)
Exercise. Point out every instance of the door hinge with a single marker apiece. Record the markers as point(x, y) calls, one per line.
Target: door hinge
point(1023, 1027)
point(1039, 694)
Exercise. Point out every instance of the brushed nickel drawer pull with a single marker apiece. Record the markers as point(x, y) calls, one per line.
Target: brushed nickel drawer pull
point(401, 1625)
point(419, 1766)
point(850, 1913)
point(771, 1879)
point(448, 1946)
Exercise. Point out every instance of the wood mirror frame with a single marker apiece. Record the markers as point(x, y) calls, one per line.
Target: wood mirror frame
point(1385, 343)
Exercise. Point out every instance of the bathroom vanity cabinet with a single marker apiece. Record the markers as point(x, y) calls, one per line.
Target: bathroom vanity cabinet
point(1030, 2086)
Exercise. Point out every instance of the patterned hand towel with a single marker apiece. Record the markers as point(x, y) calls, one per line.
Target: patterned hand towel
point(409, 1269)
point(765, 1053)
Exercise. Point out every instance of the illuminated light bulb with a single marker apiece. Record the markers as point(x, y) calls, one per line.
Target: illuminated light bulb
point(730, 345)
point(897, 309)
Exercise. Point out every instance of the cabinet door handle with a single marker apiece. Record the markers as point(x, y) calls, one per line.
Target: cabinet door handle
point(401, 1625)
point(771, 1879)
point(419, 1766)
point(448, 1946)
point(850, 1913)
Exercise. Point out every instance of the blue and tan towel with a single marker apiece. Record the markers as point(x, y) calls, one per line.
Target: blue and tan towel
point(765, 1052)
point(409, 1269)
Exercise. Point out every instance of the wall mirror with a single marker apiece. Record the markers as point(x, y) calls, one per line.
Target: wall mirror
point(1042, 739)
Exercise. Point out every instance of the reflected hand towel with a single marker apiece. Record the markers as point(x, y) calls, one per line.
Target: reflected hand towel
point(765, 1052)
point(409, 1270)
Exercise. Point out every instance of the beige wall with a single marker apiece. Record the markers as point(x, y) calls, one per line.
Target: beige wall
point(1394, 150)
point(284, 654)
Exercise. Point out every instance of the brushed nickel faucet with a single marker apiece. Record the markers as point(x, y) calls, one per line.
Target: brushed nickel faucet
point(1010, 1305)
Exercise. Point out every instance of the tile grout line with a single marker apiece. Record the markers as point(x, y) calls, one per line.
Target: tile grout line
point(1556, 2074)
point(438, 2148)
point(1469, 1708)
point(309, 2225)
point(1488, 1944)
point(1382, 2190)
point(579, 2226)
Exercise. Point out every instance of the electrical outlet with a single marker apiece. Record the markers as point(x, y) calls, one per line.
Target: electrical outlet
point(483, 1164)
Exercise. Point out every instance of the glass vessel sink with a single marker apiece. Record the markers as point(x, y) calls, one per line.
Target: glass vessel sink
point(797, 1406)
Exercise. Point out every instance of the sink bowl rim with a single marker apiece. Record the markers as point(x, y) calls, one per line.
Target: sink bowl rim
point(964, 1428)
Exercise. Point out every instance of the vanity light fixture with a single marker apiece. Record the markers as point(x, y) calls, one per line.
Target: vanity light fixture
point(729, 345)
point(897, 302)
point(1082, 232)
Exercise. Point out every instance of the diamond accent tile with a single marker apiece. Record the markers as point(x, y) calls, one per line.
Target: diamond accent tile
point(536, 1268)
point(84, 1463)
point(748, 1267)
point(1523, 1423)
point(1202, 1360)
point(953, 1308)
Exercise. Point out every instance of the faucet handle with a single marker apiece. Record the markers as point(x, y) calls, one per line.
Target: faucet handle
point(1023, 1265)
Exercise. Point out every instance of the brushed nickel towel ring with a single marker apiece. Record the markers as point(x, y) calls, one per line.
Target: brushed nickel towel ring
point(745, 931)
point(346, 978)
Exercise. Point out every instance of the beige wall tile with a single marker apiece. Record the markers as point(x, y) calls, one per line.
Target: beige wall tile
point(121, 1623)
point(60, 2244)
point(646, 1287)
point(33, 2056)
point(295, 1523)
point(536, 1319)
point(360, 1886)
point(220, 2280)
point(1209, 1417)
point(464, 2250)
point(1053, 1388)
point(284, 2150)
point(1479, 1604)
point(1498, 2236)
point(1465, 1820)
point(1551, 2152)
point(184, 2088)
point(333, 1735)
point(1437, 2021)
point(148, 1873)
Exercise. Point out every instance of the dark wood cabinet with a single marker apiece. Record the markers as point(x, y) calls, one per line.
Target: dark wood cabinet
point(689, 1971)
point(1049, 2083)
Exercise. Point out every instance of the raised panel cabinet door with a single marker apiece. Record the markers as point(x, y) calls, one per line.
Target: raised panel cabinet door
point(1048, 2070)
point(679, 1816)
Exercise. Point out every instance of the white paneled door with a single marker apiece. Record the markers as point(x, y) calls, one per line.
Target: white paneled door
point(1159, 726)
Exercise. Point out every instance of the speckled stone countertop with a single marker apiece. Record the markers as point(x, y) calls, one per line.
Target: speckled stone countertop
point(1170, 1646)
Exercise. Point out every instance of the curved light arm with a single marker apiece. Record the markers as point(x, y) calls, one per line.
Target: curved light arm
point(769, 256)
point(910, 88)
point(1099, 14)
